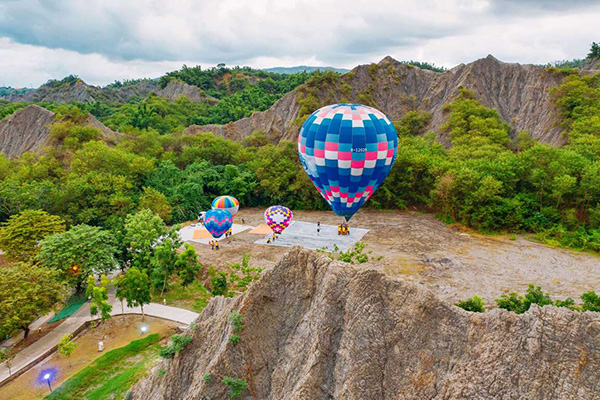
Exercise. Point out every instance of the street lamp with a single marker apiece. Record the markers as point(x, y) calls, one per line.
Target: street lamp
point(144, 329)
point(47, 377)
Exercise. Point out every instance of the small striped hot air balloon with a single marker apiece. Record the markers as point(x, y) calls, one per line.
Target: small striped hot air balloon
point(228, 203)
point(278, 218)
point(217, 222)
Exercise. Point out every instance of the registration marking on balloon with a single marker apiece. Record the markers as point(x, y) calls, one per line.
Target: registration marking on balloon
point(347, 150)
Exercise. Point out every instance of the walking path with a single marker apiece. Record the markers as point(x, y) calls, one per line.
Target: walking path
point(30, 355)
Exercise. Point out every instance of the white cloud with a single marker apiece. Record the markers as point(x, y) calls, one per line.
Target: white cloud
point(113, 39)
point(26, 65)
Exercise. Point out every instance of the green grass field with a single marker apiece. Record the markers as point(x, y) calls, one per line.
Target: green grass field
point(111, 375)
point(195, 297)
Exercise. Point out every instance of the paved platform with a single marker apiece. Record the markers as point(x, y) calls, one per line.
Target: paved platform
point(197, 233)
point(305, 234)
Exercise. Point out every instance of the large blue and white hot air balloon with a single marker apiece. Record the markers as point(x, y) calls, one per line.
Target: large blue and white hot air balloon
point(347, 150)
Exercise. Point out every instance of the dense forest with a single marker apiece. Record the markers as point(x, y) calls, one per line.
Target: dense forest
point(485, 179)
point(119, 199)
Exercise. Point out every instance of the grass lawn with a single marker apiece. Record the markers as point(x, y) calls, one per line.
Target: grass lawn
point(111, 375)
point(195, 297)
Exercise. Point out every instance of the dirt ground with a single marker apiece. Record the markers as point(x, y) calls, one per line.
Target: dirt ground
point(117, 332)
point(417, 247)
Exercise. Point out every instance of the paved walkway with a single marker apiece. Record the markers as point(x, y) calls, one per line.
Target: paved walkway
point(28, 357)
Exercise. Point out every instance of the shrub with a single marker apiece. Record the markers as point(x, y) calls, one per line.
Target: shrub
point(237, 320)
point(511, 302)
point(177, 345)
point(535, 295)
point(236, 386)
point(474, 304)
point(519, 303)
point(234, 339)
point(591, 302)
point(218, 282)
point(568, 303)
point(206, 377)
point(162, 372)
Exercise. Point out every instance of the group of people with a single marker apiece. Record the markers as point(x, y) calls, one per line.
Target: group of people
point(343, 229)
point(214, 244)
point(228, 233)
point(271, 238)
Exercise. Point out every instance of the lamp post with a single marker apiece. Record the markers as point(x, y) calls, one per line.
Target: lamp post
point(47, 377)
point(144, 329)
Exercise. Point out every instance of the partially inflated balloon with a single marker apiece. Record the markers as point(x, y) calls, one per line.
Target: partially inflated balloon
point(217, 221)
point(347, 150)
point(278, 218)
point(228, 203)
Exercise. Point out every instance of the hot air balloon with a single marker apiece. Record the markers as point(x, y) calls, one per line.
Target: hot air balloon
point(228, 203)
point(347, 150)
point(278, 218)
point(217, 221)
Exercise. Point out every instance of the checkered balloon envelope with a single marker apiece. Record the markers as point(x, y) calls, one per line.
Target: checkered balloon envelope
point(347, 150)
point(278, 218)
point(217, 221)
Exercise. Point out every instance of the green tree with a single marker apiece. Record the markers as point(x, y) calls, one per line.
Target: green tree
point(155, 201)
point(594, 51)
point(20, 235)
point(26, 292)
point(142, 231)
point(79, 253)
point(187, 266)
point(164, 260)
point(134, 286)
point(66, 346)
point(98, 295)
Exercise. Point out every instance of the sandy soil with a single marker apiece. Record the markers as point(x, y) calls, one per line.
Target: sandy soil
point(418, 248)
point(117, 332)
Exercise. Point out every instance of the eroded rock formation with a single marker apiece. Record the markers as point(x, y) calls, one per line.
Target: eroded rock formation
point(319, 329)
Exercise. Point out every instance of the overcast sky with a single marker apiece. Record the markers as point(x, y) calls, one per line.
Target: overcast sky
point(105, 40)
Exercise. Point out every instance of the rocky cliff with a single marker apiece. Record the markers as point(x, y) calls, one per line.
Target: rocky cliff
point(28, 129)
point(176, 88)
point(319, 329)
point(520, 93)
point(75, 90)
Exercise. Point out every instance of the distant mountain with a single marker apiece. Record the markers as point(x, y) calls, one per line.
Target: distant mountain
point(9, 91)
point(301, 68)
point(520, 93)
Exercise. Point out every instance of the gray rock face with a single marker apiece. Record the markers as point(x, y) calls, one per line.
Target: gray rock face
point(79, 91)
point(520, 93)
point(176, 88)
point(28, 129)
point(25, 130)
point(319, 329)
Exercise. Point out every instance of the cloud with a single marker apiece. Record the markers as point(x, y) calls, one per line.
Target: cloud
point(225, 30)
point(30, 66)
point(114, 39)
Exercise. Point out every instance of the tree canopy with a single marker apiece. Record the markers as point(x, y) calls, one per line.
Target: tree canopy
point(79, 253)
